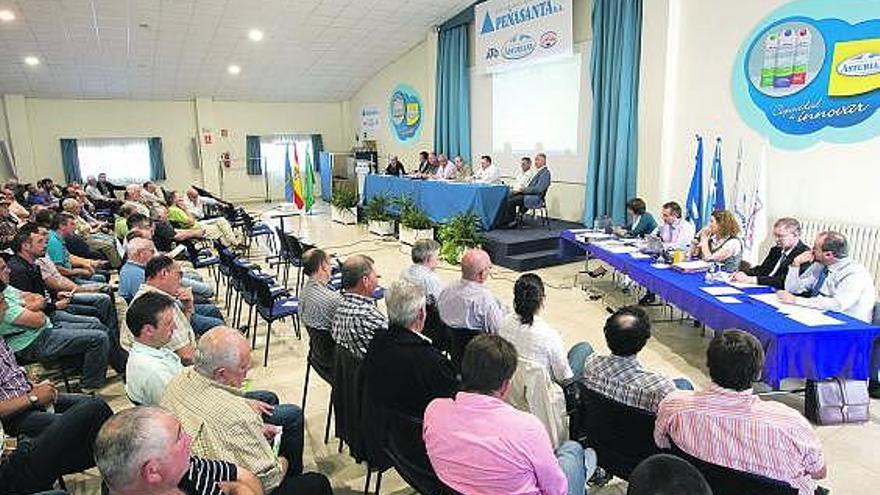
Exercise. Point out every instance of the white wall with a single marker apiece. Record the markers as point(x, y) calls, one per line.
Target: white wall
point(44, 121)
point(701, 39)
point(417, 68)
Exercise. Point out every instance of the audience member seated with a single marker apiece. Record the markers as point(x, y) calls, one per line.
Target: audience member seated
point(477, 443)
point(358, 319)
point(30, 334)
point(488, 172)
point(151, 194)
point(163, 276)
point(144, 451)
point(833, 281)
point(59, 428)
point(8, 224)
point(81, 269)
point(150, 364)
point(517, 202)
point(619, 376)
point(395, 167)
point(196, 204)
point(139, 252)
point(203, 292)
point(165, 235)
point(318, 302)
point(425, 255)
point(664, 474)
point(106, 187)
point(773, 270)
point(765, 438)
point(468, 303)
point(215, 228)
point(98, 242)
point(403, 371)
point(641, 223)
point(134, 198)
point(120, 226)
point(524, 176)
point(718, 241)
point(98, 198)
point(532, 337)
point(225, 425)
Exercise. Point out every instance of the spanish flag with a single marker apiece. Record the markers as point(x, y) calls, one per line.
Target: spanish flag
point(297, 181)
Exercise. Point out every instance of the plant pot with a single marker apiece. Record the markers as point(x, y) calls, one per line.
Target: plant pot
point(345, 216)
point(410, 236)
point(382, 228)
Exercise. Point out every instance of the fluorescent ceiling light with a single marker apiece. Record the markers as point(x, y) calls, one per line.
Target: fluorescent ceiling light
point(32, 61)
point(6, 15)
point(255, 35)
point(234, 70)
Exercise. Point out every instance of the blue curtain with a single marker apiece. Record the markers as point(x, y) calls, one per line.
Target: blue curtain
point(452, 122)
point(317, 148)
point(70, 161)
point(612, 166)
point(157, 162)
point(253, 156)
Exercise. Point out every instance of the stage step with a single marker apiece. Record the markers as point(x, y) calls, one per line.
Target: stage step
point(527, 248)
point(530, 261)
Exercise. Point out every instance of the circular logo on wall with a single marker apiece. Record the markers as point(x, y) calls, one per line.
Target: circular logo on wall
point(405, 111)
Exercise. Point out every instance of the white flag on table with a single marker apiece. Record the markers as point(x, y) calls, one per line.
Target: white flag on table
point(740, 191)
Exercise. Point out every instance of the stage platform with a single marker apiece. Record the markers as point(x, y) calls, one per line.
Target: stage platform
point(529, 247)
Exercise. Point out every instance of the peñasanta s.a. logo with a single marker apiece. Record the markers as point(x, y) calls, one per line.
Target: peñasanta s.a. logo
point(520, 46)
point(861, 65)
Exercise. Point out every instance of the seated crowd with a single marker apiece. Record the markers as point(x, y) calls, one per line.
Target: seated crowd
point(195, 425)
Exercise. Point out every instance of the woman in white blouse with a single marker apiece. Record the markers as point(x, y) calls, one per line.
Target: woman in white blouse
point(532, 337)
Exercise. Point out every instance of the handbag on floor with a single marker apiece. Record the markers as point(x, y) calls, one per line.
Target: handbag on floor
point(836, 401)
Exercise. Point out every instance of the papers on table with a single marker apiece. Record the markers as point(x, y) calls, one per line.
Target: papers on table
point(769, 298)
point(744, 285)
point(623, 249)
point(806, 316)
point(721, 290)
point(660, 266)
point(691, 266)
point(729, 300)
point(640, 256)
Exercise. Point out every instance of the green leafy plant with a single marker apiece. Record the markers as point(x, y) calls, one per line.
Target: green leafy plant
point(376, 209)
point(344, 197)
point(459, 235)
point(411, 216)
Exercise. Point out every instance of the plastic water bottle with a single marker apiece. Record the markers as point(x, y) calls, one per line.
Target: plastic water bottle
point(710, 273)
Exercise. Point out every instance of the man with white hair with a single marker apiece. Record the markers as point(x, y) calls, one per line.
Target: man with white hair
point(134, 198)
point(225, 425)
point(403, 370)
point(144, 451)
point(468, 303)
point(425, 255)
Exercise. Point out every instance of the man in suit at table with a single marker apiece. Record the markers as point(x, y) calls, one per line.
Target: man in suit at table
point(774, 268)
point(537, 188)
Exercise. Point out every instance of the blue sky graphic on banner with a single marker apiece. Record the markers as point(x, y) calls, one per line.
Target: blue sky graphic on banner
point(405, 113)
point(810, 72)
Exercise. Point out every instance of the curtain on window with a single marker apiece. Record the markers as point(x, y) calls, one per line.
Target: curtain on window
point(157, 161)
point(70, 161)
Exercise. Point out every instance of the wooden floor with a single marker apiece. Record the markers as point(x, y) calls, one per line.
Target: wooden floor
point(677, 349)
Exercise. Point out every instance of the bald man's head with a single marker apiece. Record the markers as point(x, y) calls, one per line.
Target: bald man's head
point(223, 355)
point(475, 265)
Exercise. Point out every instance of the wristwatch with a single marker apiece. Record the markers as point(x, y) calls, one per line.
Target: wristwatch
point(34, 400)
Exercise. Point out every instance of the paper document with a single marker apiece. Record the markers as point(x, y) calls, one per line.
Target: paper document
point(811, 317)
point(721, 290)
point(744, 285)
point(692, 266)
point(769, 298)
point(640, 256)
point(621, 249)
point(729, 300)
point(660, 266)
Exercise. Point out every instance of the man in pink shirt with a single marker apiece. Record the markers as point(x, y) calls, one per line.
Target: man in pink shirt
point(480, 445)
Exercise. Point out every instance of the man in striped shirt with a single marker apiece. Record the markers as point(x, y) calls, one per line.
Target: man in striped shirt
point(317, 300)
point(730, 426)
point(358, 319)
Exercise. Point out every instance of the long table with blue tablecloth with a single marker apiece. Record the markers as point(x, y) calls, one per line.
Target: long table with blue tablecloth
point(442, 200)
point(792, 349)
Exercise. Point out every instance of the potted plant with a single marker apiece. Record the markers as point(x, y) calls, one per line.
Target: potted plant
point(379, 221)
point(344, 205)
point(459, 235)
point(414, 222)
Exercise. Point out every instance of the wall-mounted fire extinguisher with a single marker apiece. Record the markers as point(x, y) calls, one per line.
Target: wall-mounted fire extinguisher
point(226, 159)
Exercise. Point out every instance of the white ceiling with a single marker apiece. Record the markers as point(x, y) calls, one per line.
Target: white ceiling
point(313, 50)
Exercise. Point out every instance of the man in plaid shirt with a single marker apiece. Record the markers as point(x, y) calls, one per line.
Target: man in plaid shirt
point(358, 319)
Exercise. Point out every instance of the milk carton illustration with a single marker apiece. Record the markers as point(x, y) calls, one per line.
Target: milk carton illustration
point(785, 59)
point(768, 69)
point(801, 57)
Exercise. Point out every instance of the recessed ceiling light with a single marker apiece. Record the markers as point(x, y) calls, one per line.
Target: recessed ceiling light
point(32, 61)
point(233, 69)
point(255, 35)
point(6, 15)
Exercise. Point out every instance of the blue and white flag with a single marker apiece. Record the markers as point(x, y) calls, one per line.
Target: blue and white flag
point(715, 196)
point(694, 203)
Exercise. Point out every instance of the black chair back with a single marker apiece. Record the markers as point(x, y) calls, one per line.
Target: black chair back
point(727, 481)
point(322, 353)
point(435, 329)
point(622, 436)
point(359, 422)
point(405, 447)
point(459, 338)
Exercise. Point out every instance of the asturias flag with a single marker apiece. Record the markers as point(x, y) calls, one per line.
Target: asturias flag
point(297, 181)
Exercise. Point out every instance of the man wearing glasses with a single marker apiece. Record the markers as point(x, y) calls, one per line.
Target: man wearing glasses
point(774, 268)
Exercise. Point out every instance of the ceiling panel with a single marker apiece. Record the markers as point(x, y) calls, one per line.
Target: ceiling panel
point(312, 50)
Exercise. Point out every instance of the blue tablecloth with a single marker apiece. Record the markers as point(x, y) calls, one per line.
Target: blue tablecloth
point(792, 349)
point(442, 200)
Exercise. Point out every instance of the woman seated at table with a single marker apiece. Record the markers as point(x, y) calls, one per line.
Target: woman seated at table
point(395, 167)
point(719, 241)
point(641, 223)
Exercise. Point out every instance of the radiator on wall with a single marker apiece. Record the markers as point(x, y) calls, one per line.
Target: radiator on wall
point(864, 242)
